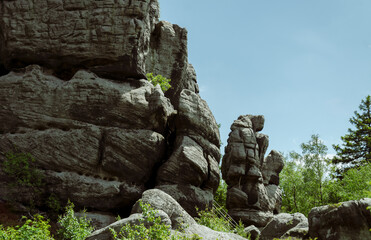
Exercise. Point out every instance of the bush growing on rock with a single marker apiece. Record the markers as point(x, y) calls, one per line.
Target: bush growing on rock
point(159, 79)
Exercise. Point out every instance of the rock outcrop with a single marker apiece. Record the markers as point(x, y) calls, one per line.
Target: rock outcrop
point(171, 213)
point(286, 225)
point(73, 95)
point(253, 194)
point(110, 38)
point(343, 221)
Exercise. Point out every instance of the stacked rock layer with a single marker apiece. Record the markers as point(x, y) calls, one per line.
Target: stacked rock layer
point(253, 195)
point(73, 95)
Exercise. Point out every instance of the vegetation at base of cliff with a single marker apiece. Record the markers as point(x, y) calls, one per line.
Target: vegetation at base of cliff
point(159, 79)
point(149, 227)
point(211, 219)
point(311, 179)
point(37, 228)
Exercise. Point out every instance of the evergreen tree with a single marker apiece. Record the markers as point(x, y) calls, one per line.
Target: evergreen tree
point(356, 147)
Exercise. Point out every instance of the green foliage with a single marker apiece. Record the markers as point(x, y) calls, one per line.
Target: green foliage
point(220, 195)
point(21, 167)
point(356, 148)
point(73, 228)
point(158, 79)
point(210, 219)
point(303, 178)
point(33, 229)
point(54, 205)
point(150, 228)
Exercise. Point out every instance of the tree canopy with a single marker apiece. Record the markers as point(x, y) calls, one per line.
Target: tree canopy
point(355, 150)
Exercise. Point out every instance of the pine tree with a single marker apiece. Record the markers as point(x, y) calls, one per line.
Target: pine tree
point(356, 147)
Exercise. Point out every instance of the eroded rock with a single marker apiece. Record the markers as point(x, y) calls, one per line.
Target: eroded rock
point(110, 38)
point(343, 221)
point(253, 193)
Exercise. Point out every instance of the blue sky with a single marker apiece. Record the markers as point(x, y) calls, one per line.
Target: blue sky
point(305, 65)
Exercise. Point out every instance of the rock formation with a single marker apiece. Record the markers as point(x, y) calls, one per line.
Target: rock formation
point(253, 194)
point(171, 214)
point(73, 94)
point(343, 221)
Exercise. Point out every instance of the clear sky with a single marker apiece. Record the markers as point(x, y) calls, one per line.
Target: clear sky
point(305, 65)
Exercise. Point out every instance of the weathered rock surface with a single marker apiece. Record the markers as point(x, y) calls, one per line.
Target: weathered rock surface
point(172, 214)
point(253, 193)
point(98, 219)
point(101, 142)
point(168, 56)
point(253, 232)
point(349, 220)
point(285, 225)
point(196, 147)
point(110, 38)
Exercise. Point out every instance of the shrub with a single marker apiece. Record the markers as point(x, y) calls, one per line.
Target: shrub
point(21, 169)
point(158, 79)
point(210, 219)
point(33, 229)
point(73, 228)
point(150, 228)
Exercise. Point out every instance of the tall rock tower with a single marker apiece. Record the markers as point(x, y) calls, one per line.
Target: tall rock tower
point(253, 194)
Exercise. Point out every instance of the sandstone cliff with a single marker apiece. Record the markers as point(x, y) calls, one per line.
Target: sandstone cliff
point(73, 94)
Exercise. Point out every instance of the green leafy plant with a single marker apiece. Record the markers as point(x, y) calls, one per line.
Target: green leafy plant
point(159, 79)
point(21, 169)
point(33, 229)
point(73, 228)
point(155, 230)
point(210, 219)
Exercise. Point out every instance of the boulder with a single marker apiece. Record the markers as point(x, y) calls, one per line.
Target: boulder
point(283, 225)
point(253, 194)
point(110, 38)
point(134, 219)
point(343, 221)
point(253, 232)
point(172, 214)
point(98, 219)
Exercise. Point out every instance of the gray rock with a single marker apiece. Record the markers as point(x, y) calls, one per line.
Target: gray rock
point(344, 221)
point(208, 234)
point(272, 166)
point(162, 201)
point(281, 224)
point(168, 56)
point(195, 118)
point(133, 219)
point(98, 219)
point(110, 38)
point(40, 101)
point(253, 232)
point(253, 193)
point(93, 192)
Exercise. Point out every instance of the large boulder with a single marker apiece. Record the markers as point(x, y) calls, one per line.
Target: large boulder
point(181, 223)
point(253, 194)
point(283, 225)
point(343, 221)
point(110, 38)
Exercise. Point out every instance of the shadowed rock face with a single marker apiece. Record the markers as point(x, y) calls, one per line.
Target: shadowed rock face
point(105, 135)
point(253, 193)
point(110, 38)
point(343, 221)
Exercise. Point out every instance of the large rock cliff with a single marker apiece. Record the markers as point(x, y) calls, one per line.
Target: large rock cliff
point(73, 95)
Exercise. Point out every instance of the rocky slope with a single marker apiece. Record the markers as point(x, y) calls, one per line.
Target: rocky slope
point(73, 94)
